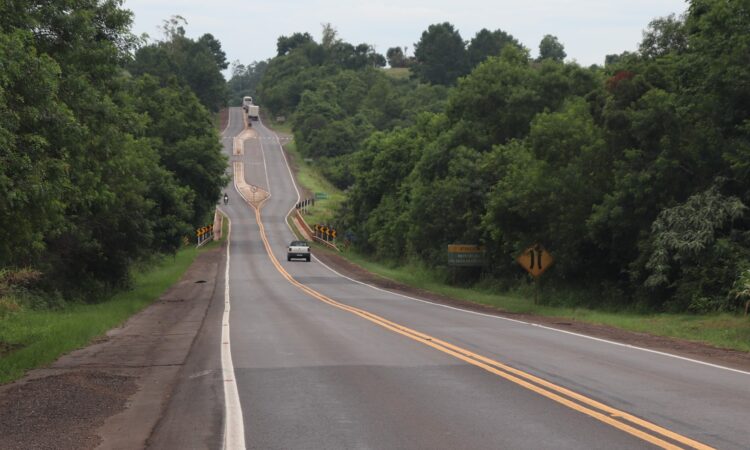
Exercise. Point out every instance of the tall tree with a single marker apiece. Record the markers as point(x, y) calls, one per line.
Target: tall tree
point(396, 57)
point(214, 46)
point(286, 44)
point(440, 55)
point(329, 36)
point(83, 183)
point(488, 43)
point(197, 63)
point(664, 35)
point(551, 48)
point(33, 175)
point(182, 132)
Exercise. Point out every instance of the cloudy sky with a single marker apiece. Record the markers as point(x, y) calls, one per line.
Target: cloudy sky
point(589, 29)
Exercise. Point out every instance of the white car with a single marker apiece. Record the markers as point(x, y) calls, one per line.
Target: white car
point(298, 249)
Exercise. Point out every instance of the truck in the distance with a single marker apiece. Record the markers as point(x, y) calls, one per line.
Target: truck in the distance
point(246, 102)
point(252, 112)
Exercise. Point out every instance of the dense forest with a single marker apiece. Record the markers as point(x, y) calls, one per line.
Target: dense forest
point(635, 174)
point(108, 151)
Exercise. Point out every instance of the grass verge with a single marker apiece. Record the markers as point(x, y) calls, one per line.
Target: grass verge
point(39, 337)
point(308, 177)
point(278, 127)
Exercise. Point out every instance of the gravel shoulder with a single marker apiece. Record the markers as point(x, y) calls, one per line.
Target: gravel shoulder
point(112, 393)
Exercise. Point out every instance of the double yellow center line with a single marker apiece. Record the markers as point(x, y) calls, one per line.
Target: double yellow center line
point(649, 432)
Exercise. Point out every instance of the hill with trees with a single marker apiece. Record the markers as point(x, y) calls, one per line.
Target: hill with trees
point(635, 175)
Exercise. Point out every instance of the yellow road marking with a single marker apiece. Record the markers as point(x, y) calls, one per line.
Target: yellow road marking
point(521, 378)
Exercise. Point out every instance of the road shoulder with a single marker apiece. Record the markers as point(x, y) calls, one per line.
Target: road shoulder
point(112, 393)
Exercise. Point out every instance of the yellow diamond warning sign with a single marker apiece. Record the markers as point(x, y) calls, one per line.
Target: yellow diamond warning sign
point(536, 260)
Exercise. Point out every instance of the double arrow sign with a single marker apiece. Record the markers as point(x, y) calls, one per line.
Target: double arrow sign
point(536, 260)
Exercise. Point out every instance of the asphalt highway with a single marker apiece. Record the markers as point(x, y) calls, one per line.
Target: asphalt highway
point(322, 361)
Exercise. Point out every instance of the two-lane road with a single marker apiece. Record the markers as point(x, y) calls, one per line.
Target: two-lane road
point(322, 361)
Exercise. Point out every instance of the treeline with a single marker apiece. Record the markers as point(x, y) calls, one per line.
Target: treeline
point(336, 95)
point(635, 175)
point(244, 81)
point(108, 152)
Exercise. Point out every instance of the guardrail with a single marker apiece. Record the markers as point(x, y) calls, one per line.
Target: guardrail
point(308, 232)
point(204, 234)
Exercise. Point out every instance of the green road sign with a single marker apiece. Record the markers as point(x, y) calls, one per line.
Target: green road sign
point(460, 255)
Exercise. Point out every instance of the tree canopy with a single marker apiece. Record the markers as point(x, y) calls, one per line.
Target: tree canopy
point(636, 176)
point(397, 57)
point(195, 63)
point(551, 48)
point(94, 177)
point(488, 43)
point(245, 80)
point(440, 55)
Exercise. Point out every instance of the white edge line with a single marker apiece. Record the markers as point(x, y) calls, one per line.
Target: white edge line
point(265, 167)
point(291, 177)
point(229, 121)
point(619, 344)
point(234, 426)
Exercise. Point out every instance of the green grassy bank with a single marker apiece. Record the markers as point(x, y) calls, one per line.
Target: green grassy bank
point(34, 338)
point(313, 181)
point(721, 330)
point(399, 73)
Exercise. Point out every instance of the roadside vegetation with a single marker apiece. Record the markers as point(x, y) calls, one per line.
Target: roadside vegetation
point(34, 337)
point(635, 175)
point(724, 330)
point(109, 153)
point(109, 161)
point(312, 181)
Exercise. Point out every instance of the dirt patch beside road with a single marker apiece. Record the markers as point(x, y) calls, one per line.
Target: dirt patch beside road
point(223, 119)
point(58, 411)
point(694, 350)
point(112, 393)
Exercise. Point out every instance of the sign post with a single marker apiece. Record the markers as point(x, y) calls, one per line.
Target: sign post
point(536, 260)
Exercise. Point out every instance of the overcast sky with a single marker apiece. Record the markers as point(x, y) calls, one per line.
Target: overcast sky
point(589, 29)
